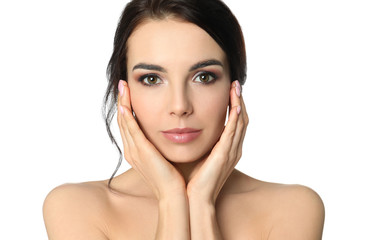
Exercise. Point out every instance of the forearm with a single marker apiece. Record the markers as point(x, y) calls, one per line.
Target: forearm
point(173, 221)
point(203, 221)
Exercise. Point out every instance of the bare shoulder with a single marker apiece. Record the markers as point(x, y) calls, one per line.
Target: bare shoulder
point(298, 213)
point(293, 211)
point(75, 211)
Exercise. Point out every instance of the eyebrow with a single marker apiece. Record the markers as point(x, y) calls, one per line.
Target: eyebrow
point(196, 66)
point(148, 67)
point(206, 63)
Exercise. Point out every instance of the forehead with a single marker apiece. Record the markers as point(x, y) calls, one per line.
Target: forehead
point(170, 41)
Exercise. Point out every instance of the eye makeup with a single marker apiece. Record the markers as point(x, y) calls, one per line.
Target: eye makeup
point(202, 77)
point(150, 80)
point(203, 73)
point(205, 77)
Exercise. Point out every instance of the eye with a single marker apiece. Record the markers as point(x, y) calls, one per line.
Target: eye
point(150, 80)
point(204, 77)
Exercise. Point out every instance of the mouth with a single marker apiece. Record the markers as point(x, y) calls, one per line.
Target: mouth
point(182, 135)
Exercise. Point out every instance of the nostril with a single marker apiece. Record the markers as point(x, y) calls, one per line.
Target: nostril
point(179, 103)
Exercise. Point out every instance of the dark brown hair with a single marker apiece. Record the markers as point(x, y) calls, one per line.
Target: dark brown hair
point(213, 16)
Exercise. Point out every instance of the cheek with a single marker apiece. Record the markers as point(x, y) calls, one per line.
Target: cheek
point(214, 107)
point(146, 109)
point(138, 103)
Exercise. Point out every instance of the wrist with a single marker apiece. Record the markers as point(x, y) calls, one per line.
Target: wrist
point(203, 219)
point(177, 194)
point(174, 199)
point(199, 209)
point(173, 218)
point(201, 200)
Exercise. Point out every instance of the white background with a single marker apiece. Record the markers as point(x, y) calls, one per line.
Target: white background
point(305, 95)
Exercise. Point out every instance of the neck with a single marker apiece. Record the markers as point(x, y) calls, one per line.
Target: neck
point(130, 181)
point(188, 170)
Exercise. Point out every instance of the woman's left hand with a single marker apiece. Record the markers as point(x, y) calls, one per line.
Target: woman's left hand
point(213, 172)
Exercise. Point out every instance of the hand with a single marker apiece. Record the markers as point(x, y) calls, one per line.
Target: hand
point(163, 178)
point(214, 171)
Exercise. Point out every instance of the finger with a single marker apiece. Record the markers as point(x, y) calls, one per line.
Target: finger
point(229, 131)
point(124, 103)
point(119, 115)
point(125, 140)
point(236, 150)
point(122, 126)
point(124, 94)
point(244, 112)
point(235, 101)
point(235, 98)
point(120, 110)
point(246, 122)
point(236, 146)
point(235, 106)
point(129, 125)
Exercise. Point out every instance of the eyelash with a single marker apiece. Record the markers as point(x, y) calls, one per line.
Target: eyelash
point(211, 74)
point(143, 77)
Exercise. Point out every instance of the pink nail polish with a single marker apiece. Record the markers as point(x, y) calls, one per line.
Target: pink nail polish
point(238, 109)
point(237, 88)
point(121, 109)
point(120, 88)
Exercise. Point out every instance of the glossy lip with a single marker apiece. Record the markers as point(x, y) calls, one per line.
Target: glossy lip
point(182, 135)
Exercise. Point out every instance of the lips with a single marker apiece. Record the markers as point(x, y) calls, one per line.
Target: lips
point(182, 135)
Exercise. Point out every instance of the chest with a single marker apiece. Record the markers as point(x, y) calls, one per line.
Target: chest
point(138, 218)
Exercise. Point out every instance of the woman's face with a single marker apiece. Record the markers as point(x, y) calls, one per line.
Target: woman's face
point(179, 84)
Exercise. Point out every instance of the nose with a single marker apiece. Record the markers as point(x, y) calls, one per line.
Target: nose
point(180, 102)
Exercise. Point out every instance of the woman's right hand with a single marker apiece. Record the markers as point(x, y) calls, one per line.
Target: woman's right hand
point(163, 178)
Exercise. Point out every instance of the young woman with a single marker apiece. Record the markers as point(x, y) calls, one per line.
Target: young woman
point(176, 68)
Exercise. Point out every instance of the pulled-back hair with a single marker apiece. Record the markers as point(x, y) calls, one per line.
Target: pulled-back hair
point(213, 16)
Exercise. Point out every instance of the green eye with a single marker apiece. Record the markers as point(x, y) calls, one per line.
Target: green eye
point(204, 77)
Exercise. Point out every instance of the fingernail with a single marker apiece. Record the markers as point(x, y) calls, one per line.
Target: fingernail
point(238, 109)
point(237, 88)
point(120, 88)
point(121, 109)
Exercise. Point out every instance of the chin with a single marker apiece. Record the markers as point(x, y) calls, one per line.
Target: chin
point(181, 159)
point(184, 155)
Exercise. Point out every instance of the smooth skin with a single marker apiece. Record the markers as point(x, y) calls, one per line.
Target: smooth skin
point(181, 191)
point(168, 184)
